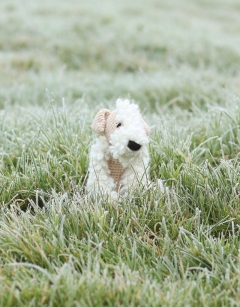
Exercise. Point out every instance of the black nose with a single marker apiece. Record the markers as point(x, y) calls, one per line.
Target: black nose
point(134, 146)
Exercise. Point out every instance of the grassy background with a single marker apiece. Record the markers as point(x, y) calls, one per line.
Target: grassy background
point(60, 63)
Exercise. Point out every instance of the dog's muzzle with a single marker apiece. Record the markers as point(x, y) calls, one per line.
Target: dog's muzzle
point(134, 146)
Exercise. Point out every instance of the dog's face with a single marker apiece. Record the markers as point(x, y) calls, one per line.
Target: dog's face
point(124, 128)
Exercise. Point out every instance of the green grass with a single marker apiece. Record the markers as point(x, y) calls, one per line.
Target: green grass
point(60, 63)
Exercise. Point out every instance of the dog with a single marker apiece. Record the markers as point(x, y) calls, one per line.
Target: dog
point(119, 158)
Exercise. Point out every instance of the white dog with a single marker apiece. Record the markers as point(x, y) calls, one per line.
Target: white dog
point(119, 158)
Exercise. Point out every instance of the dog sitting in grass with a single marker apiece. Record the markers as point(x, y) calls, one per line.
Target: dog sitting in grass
point(119, 158)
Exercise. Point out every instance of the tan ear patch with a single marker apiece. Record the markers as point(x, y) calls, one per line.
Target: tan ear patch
point(146, 127)
point(99, 122)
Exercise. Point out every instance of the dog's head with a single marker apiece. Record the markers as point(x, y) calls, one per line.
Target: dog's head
point(124, 129)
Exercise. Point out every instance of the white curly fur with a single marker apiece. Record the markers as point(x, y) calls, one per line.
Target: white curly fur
point(115, 146)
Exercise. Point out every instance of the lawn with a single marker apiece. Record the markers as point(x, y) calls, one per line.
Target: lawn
point(61, 62)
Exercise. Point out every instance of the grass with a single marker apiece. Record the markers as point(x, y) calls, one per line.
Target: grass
point(60, 63)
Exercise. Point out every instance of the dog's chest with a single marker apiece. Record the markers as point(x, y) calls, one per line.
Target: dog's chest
point(116, 170)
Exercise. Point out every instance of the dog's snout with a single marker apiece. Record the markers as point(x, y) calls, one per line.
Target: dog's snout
point(133, 146)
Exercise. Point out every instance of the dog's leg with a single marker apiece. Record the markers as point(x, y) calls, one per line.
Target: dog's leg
point(135, 174)
point(99, 179)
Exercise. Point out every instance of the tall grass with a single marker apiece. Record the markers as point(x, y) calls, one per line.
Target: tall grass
point(60, 63)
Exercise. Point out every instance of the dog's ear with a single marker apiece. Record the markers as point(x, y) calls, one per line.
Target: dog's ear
point(146, 127)
point(99, 122)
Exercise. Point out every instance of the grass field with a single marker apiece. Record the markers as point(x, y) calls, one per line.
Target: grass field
point(60, 62)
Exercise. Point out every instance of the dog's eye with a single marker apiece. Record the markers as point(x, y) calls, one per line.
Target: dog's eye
point(119, 125)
